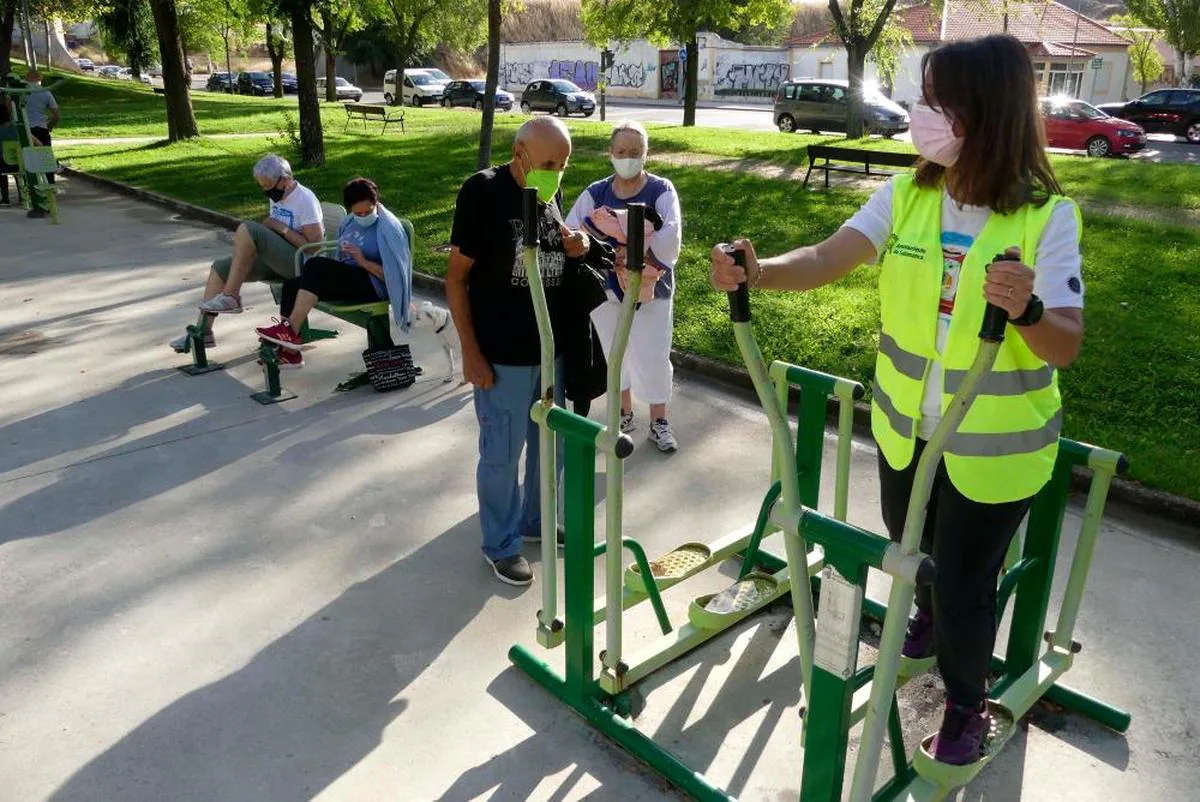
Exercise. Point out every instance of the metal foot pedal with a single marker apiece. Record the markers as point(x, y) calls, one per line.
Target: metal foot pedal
point(911, 667)
point(674, 566)
point(946, 776)
point(270, 365)
point(195, 345)
point(715, 610)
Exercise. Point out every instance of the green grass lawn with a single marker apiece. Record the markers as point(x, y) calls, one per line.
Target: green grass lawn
point(95, 107)
point(1134, 388)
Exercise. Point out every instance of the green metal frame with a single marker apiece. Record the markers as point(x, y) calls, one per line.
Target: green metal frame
point(837, 693)
point(39, 194)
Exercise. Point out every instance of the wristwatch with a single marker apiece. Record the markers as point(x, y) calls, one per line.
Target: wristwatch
point(1032, 314)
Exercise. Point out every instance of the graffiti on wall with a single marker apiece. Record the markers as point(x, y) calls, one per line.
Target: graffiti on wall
point(581, 73)
point(584, 74)
point(732, 77)
point(669, 78)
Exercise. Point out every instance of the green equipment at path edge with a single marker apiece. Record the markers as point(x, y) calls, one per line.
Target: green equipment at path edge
point(33, 162)
point(824, 555)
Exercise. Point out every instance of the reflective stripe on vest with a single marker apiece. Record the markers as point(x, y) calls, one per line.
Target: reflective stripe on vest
point(1007, 443)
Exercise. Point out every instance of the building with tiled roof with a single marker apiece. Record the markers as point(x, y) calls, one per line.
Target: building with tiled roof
point(1072, 54)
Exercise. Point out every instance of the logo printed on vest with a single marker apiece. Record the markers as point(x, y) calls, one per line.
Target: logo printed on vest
point(907, 250)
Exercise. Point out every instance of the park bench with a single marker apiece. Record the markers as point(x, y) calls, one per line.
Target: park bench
point(365, 111)
point(849, 158)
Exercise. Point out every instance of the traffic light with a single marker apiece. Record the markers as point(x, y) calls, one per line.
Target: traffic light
point(606, 60)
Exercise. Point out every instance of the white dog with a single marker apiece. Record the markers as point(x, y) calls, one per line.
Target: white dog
point(438, 320)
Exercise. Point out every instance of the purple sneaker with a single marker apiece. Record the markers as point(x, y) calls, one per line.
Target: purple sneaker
point(918, 641)
point(960, 739)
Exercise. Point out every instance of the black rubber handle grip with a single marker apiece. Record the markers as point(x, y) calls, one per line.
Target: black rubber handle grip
point(635, 237)
point(739, 299)
point(994, 317)
point(529, 216)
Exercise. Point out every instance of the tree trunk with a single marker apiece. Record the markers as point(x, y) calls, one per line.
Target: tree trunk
point(181, 122)
point(330, 57)
point(312, 138)
point(856, 57)
point(275, 52)
point(330, 75)
point(230, 88)
point(489, 93)
point(7, 18)
point(691, 82)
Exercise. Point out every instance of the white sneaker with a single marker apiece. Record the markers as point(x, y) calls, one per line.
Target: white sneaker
point(662, 436)
point(222, 303)
point(628, 424)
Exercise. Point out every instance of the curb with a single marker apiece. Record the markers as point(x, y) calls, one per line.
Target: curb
point(1134, 495)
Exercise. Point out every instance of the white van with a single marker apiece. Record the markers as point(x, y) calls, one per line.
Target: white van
point(421, 86)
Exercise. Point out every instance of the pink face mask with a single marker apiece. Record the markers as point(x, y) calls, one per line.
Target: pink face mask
point(933, 135)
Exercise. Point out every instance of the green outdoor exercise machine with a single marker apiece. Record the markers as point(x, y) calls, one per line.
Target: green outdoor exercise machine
point(33, 162)
point(836, 555)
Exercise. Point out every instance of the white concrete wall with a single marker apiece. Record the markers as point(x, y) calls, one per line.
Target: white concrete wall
point(634, 72)
point(60, 57)
point(829, 61)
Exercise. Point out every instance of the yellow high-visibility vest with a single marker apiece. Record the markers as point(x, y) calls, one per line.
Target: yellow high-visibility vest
point(1005, 448)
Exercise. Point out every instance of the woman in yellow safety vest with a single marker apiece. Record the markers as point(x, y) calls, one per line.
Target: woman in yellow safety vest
point(983, 187)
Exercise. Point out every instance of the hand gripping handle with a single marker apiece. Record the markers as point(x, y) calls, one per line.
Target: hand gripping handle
point(739, 299)
point(994, 317)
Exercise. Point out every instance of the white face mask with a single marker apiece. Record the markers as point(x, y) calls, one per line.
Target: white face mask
point(629, 168)
point(933, 135)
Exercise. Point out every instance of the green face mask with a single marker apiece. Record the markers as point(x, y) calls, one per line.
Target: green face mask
point(545, 182)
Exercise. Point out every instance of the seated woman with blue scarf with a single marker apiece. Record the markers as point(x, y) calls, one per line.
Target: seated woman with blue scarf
point(373, 262)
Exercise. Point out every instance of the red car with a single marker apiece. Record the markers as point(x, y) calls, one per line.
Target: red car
point(1076, 125)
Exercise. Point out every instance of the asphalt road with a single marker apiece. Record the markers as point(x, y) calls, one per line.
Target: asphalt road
point(1160, 148)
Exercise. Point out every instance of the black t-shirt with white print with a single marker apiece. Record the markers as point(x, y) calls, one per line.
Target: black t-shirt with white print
point(488, 228)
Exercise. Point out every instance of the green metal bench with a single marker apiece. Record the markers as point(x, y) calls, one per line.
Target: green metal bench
point(373, 317)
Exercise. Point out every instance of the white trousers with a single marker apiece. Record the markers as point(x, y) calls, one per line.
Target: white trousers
point(647, 369)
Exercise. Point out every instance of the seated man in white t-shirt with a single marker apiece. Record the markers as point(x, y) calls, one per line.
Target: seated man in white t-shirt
point(262, 250)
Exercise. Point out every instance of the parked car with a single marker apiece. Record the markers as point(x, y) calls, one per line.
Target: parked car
point(1163, 111)
point(471, 93)
point(291, 84)
point(219, 82)
point(559, 96)
point(421, 86)
point(1076, 125)
point(109, 70)
point(255, 83)
point(85, 64)
point(345, 90)
point(822, 105)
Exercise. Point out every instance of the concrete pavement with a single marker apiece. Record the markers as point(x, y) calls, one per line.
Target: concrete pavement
point(205, 599)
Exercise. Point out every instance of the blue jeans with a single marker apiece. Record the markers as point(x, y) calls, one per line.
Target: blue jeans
point(505, 428)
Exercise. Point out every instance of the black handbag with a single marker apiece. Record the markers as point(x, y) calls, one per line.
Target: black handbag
point(390, 368)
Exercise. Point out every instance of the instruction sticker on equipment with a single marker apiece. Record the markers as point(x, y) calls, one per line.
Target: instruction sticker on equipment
point(837, 624)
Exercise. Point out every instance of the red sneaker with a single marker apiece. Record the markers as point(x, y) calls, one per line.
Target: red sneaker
point(289, 359)
point(280, 334)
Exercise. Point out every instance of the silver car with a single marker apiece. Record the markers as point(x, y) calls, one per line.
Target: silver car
point(822, 105)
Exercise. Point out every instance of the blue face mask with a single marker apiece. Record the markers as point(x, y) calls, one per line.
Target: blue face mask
point(365, 220)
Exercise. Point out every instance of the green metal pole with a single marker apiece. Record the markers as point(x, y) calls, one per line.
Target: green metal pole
point(614, 497)
point(1085, 548)
point(900, 599)
point(548, 458)
point(781, 439)
point(847, 393)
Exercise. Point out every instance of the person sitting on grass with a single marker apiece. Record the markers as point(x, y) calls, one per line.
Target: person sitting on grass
point(373, 263)
point(262, 250)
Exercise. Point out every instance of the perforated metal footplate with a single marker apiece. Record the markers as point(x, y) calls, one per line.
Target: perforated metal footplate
point(712, 610)
point(681, 562)
point(946, 776)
